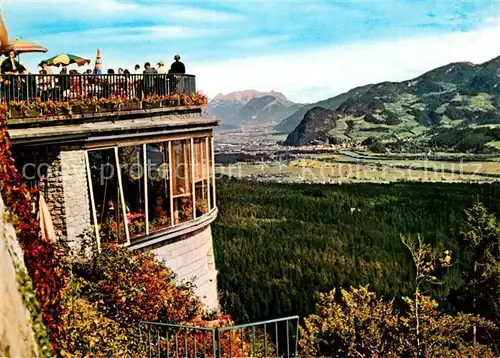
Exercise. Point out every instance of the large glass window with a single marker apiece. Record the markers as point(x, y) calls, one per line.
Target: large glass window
point(201, 175)
point(107, 198)
point(182, 181)
point(151, 187)
point(131, 161)
point(158, 186)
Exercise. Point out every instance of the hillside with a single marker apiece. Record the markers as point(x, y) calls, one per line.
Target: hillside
point(316, 126)
point(453, 107)
point(250, 106)
point(291, 122)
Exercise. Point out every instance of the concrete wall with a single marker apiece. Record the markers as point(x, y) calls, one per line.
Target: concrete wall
point(16, 334)
point(192, 259)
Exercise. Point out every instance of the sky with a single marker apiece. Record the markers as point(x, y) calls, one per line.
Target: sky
point(308, 50)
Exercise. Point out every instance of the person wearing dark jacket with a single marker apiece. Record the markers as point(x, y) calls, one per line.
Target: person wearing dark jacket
point(177, 67)
point(10, 66)
point(11, 83)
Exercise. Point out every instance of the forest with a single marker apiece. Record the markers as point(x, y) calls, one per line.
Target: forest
point(278, 245)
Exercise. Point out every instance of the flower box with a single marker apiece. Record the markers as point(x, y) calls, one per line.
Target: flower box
point(82, 110)
point(32, 113)
point(130, 106)
point(151, 105)
point(108, 107)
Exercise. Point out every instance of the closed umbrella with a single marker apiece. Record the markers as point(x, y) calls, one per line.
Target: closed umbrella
point(66, 59)
point(97, 67)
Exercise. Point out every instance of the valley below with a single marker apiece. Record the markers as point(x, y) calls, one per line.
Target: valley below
point(254, 153)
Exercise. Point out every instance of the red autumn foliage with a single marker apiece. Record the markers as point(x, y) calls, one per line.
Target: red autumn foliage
point(42, 258)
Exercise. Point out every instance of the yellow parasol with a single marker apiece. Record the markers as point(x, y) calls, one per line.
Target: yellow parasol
point(66, 59)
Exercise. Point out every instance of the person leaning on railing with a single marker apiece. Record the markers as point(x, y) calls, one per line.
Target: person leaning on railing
point(148, 81)
point(10, 69)
point(176, 68)
point(45, 85)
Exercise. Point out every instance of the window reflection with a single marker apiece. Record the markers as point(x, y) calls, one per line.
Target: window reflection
point(158, 186)
point(131, 161)
point(107, 196)
point(211, 174)
point(182, 181)
point(201, 175)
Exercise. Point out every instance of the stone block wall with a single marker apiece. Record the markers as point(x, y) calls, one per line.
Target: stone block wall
point(76, 198)
point(64, 185)
point(17, 338)
point(192, 259)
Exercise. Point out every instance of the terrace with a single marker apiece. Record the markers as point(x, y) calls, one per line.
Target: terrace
point(50, 99)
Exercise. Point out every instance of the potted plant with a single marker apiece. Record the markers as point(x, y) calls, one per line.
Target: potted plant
point(170, 100)
point(152, 101)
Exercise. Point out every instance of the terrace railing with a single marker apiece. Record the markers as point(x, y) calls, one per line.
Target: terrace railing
point(59, 88)
point(273, 338)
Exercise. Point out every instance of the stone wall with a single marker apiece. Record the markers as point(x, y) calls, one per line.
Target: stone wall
point(192, 259)
point(76, 198)
point(64, 185)
point(16, 333)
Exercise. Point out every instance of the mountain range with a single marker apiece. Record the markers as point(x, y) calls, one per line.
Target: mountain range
point(456, 106)
point(251, 107)
point(453, 107)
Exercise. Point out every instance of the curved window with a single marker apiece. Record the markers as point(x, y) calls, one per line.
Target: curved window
point(143, 189)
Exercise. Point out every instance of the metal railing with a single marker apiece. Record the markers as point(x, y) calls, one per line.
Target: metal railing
point(88, 86)
point(273, 338)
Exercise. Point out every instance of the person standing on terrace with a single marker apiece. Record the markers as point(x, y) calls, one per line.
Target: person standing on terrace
point(162, 80)
point(177, 67)
point(45, 67)
point(10, 66)
point(148, 80)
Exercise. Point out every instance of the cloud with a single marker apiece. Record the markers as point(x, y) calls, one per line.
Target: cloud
point(259, 41)
point(312, 75)
point(132, 34)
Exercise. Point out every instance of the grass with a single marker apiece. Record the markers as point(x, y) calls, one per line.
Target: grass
point(336, 167)
point(482, 101)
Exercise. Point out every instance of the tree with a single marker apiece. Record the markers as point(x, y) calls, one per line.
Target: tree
point(482, 235)
point(363, 325)
point(426, 262)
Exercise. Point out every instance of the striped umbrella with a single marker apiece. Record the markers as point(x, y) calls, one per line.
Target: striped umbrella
point(66, 59)
point(21, 46)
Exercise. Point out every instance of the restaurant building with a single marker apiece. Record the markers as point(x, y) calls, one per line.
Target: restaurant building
point(116, 164)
